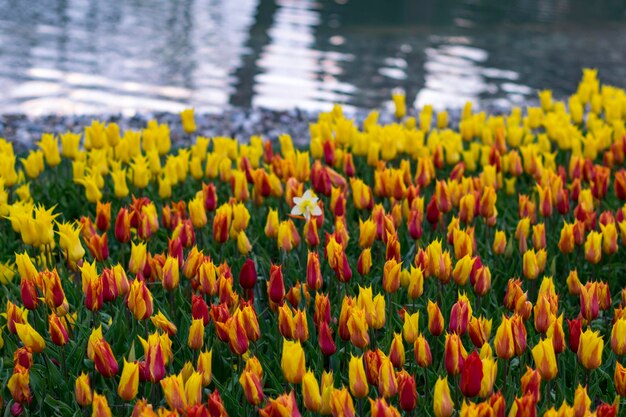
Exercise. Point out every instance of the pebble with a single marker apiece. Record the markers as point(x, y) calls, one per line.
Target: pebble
point(239, 123)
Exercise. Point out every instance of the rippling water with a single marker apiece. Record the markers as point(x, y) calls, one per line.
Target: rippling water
point(94, 56)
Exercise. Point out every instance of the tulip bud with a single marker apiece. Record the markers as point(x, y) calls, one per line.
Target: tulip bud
point(454, 354)
point(292, 361)
point(129, 381)
point(435, 319)
point(545, 359)
point(83, 390)
point(311, 392)
point(590, 349)
point(471, 375)
point(442, 401)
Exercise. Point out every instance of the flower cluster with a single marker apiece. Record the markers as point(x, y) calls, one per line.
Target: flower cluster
point(385, 269)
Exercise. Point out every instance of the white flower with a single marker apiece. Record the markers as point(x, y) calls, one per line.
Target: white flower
point(306, 205)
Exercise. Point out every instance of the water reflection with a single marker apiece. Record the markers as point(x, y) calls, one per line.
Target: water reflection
point(90, 56)
point(292, 73)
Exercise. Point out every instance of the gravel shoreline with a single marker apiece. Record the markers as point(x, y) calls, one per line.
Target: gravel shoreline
point(24, 131)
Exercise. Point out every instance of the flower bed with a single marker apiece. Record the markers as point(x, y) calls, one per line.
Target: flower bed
point(228, 278)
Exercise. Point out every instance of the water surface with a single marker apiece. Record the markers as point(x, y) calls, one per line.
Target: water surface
point(93, 56)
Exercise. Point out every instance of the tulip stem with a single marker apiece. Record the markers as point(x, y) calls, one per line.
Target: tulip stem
point(63, 365)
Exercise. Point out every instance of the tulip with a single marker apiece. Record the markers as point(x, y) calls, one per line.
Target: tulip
point(407, 391)
point(160, 321)
point(170, 274)
point(410, 329)
point(460, 315)
point(283, 405)
point(221, 223)
point(82, 391)
point(100, 406)
point(396, 351)
point(556, 333)
point(607, 410)
point(582, 402)
point(619, 379)
point(454, 354)
point(314, 277)
point(479, 330)
point(391, 276)
point(292, 361)
point(193, 389)
point(358, 328)
point(139, 300)
point(503, 340)
point(380, 407)
point(545, 359)
point(357, 378)
point(524, 407)
point(490, 372)
point(593, 247)
point(53, 293)
point(204, 367)
point(276, 286)
point(174, 392)
point(57, 330)
point(341, 404)
point(435, 319)
point(364, 263)
point(105, 362)
point(195, 339)
point(325, 340)
point(251, 385)
point(589, 301)
point(421, 350)
point(519, 334)
point(18, 385)
point(462, 270)
point(543, 314)
point(30, 338)
point(129, 381)
point(590, 349)
point(188, 121)
point(387, 382)
point(471, 375)
point(311, 392)
point(618, 337)
point(442, 401)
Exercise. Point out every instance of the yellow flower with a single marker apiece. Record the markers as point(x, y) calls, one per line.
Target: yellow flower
point(399, 101)
point(120, 187)
point(195, 339)
point(311, 392)
point(442, 401)
point(545, 359)
point(410, 329)
point(357, 378)
point(33, 164)
point(129, 381)
point(204, 367)
point(7, 272)
point(30, 337)
point(92, 190)
point(187, 118)
point(50, 147)
point(590, 349)
point(292, 362)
